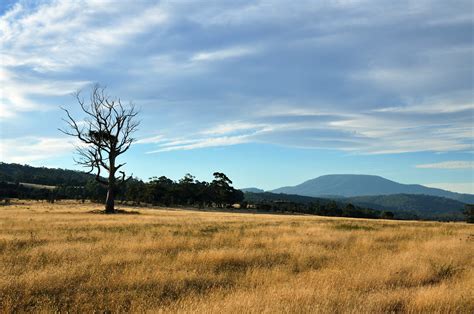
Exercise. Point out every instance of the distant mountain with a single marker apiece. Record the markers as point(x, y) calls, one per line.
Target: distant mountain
point(349, 185)
point(253, 190)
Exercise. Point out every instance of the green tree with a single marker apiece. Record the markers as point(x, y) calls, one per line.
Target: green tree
point(222, 191)
point(187, 189)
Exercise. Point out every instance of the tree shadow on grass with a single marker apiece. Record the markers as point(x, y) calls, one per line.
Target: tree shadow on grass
point(116, 212)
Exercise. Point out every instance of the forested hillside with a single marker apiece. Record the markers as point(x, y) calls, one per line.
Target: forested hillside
point(403, 206)
point(427, 206)
point(41, 175)
point(76, 185)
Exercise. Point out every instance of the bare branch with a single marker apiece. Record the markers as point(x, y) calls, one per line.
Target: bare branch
point(106, 133)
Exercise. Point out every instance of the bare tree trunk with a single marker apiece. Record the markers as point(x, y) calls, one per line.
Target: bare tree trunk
point(110, 200)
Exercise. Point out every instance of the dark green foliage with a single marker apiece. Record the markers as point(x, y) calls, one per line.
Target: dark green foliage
point(16, 190)
point(388, 215)
point(307, 205)
point(268, 196)
point(222, 191)
point(77, 185)
point(402, 205)
point(46, 176)
point(469, 212)
point(188, 191)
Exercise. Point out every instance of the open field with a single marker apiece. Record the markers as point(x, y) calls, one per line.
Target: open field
point(62, 257)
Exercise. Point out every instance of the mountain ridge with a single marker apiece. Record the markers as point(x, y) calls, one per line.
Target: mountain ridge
point(352, 185)
point(253, 190)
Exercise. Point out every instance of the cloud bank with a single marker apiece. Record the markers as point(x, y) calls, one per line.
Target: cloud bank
point(370, 77)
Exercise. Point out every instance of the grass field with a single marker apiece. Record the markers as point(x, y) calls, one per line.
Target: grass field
point(62, 257)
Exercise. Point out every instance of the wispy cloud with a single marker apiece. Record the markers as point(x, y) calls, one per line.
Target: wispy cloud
point(48, 38)
point(430, 108)
point(236, 126)
point(30, 149)
point(202, 143)
point(454, 164)
point(364, 133)
point(380, 78)
point(53, 36)
point(17, 92)
point(151, 139)
point(222, 54)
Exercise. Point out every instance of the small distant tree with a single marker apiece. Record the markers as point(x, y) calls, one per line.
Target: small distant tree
point(387, 215)
point(469, 212)
point(106, 133)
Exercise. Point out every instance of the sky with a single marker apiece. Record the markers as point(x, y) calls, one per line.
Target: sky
point(272, 93)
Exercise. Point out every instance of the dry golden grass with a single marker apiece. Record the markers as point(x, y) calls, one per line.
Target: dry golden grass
point(62, 257)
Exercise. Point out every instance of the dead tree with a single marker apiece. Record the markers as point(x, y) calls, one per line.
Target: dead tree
point(104, 134)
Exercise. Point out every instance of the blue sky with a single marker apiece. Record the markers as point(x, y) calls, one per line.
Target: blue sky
point(270, 92)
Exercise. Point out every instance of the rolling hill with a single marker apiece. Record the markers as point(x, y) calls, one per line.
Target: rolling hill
point(253, 190)
point(42, 175)
point(404, 206)
point(424, 206)
point(350, 185)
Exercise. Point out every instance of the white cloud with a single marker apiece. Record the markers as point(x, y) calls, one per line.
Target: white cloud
point(63, 34)
point(202, 143)
point(288, 110)
point(363, 133)
point(222, 54)
point(151, 139)
point(55, 37)
point(30, 149)
point(455, 164)
point(429, 109)
point(399, 78)
point(235, 126)
point(17, 90)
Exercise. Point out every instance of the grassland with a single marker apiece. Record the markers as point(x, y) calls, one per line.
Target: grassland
point(62, 257)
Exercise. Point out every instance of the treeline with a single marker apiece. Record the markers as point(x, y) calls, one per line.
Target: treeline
point(320, 208)
point(69, 184)
point(418, 205)
point(158, 191)
point(186, 191)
